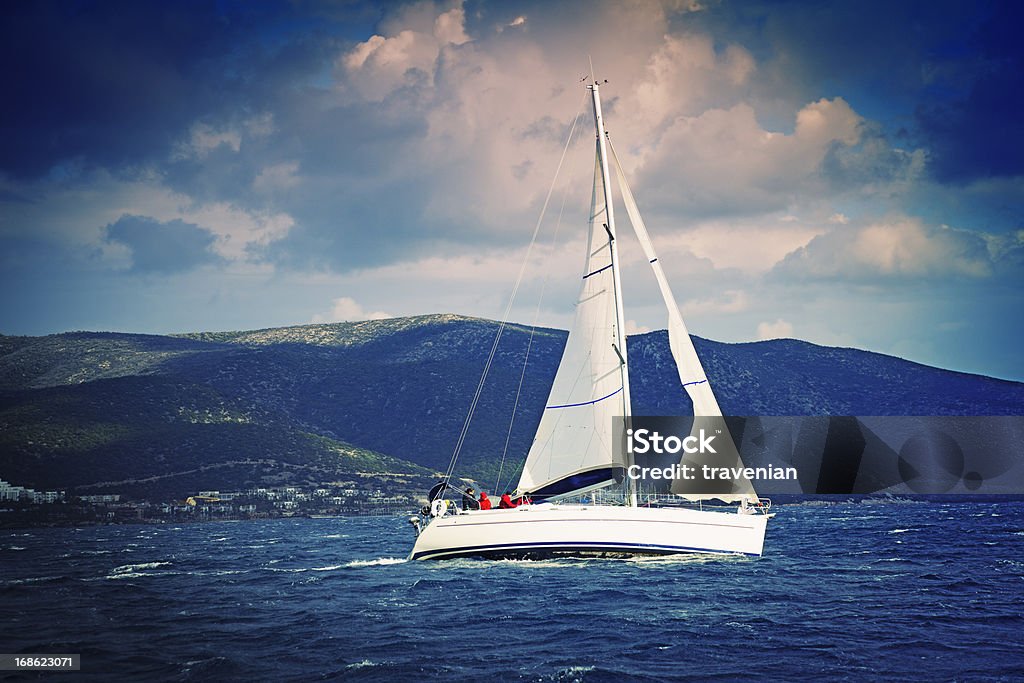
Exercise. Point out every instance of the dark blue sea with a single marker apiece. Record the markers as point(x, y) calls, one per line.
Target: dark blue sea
point(847, 591)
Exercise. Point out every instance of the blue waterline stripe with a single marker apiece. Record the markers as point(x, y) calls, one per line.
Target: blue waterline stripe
point(599, 270)
point(570, 546)
point(697, 382)
point(587, 403)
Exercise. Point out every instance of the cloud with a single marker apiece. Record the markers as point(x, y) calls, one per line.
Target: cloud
point(381, 65)
point(730, 301)
point(903, 248)
point(723, 161)
point(749, 245)
point(240, 234)
point(687, 75)
point(780, 329)
point(203, 138)
point(276, 177)
point(633, 328)
point(156, 247)
point(346, 309)
point(75, 216)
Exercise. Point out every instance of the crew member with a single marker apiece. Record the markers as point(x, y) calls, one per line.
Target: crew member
point(506, 502)
point(468, 501)
point(485, 502)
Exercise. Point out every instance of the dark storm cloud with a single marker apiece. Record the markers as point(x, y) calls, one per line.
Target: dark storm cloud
point(156, 247)
point(107, 82)
point(877, 45)
point(944, 75)
point(119, 83)
point(869, 163)
point(979, 135)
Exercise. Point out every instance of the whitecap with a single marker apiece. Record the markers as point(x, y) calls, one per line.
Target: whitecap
point(380, 561)
point(222, 572)
point(572, 673)
point(361, 665)
point(525, 562)
point(33, 579)
point(130, 568)
point(137, 575)
point(684, 558)
point(289, 571)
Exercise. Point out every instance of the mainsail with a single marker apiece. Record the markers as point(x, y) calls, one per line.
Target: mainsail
point(574, 450)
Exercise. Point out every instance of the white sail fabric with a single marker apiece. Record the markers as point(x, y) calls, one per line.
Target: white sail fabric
point(688, 365)
point(691, 372)
point(576, 432)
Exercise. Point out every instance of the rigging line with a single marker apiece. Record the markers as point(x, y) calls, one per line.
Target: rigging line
point(508, 309)
point(533, 330)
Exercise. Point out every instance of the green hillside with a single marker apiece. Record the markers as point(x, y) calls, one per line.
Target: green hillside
point(315, 403)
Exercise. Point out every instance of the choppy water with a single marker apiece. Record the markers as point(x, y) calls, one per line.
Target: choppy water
point(908, 591)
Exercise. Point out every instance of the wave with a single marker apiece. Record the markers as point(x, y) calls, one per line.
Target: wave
point(379, 562)
point(332, 567)
point(683, 558)
point(571, 674)
point(33, 579)
point(132, 568)
point(361, 665)
point(551, 562)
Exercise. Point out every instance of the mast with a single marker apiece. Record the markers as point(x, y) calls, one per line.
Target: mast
point(609, 226)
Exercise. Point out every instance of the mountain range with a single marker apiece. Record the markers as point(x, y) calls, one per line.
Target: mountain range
point(158, 415)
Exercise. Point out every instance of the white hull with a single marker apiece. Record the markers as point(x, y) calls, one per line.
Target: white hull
point(577, 530)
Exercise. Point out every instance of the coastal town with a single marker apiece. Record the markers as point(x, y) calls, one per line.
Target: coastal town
point(21, 506)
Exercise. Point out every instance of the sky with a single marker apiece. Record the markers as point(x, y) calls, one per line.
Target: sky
point(847, 173)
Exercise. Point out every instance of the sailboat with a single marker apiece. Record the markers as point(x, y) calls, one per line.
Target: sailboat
point(577, 499)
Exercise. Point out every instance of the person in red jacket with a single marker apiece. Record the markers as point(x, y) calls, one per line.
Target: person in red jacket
point(485, 502)
point(506, 502)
